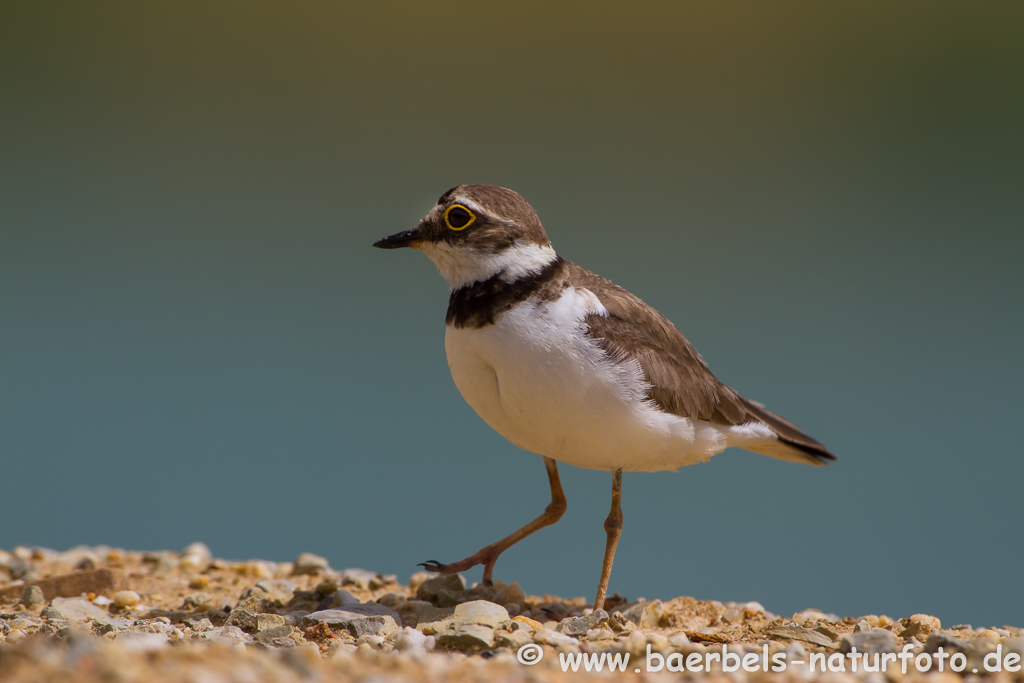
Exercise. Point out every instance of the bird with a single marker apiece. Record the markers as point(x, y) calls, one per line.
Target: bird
point(568, 365)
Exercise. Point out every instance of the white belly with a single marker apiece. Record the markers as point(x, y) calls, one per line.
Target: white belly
point(542, 384)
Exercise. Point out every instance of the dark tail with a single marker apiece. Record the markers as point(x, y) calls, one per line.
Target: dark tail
point(793, 444)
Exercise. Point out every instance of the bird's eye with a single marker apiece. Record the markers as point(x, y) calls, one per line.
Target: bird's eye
point(458, 217)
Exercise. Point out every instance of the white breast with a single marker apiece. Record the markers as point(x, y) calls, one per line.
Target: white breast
point(536, 378)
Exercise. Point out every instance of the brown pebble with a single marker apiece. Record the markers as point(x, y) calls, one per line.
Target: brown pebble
point(199, 581)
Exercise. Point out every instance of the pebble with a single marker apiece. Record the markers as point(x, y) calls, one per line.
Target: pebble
point(74, 610)
point(514, 640)
point(139, 641)
point(308, 563)
point(198, 602)
point(199, 581)
point(277, 589)
point(578, 626)
point(359, 620)
point(807, 635)
point(681, 640)
point(428, 590)
point(280, 636)
point(868, 641)
point(547, 636)
point(807, 615)
point(481, 612)
point(196, 557)
point(254, 623)
point(124, 599)
point(361, 578)
point(411, 639)
point(32, 597)
point(230, 635)
point(471, 626)
point(466, 637)
point(533, 624)
point(926, 620)
point(647, 614)
point(947, 642)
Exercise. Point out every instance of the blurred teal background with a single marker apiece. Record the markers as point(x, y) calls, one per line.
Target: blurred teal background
point(198, 343)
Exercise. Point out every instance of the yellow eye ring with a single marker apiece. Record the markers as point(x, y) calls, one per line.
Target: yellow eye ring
point(463, 216)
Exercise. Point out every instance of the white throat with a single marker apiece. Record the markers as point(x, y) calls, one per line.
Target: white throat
point(462, 267)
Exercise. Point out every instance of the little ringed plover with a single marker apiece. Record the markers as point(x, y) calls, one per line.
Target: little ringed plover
point(568, 365)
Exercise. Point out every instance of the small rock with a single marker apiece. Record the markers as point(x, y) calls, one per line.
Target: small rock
point(74, 610)
point(466, 637)
point(231, 635)
point(800, 633)
point(199, 602)
point(647, 614)
point(196, 557)
point(200, 550)
point(869, 642)
point(619, 623)
point(555, 639)
point(810, 615)
point(277, 589)
point(376, 642)
point(280, 636)
point(32, 597)
point(163, 559)
point(448, 582)
point(532, 624)
point(601, 634)
point(199, 581)
point(926, 620)
point(308, 563)
point(471, 626)
point(138, 641)
point(359, 620)
point(410, 639)
point(358, 577)
point(203, 624)
point(340, 598)
point(680, 640)
point(256, 605)
point(254, 623)
point(124, 599)
point(821, 628)
point(578, 626)
point(480, 612)
point(514, 640)
point(947, 642)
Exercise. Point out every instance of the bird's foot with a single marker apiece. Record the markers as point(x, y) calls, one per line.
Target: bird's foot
point(485, 557)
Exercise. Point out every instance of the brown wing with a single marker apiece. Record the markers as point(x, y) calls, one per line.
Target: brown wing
point(681, 383)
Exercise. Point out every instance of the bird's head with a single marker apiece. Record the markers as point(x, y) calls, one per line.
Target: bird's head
point(476, 232)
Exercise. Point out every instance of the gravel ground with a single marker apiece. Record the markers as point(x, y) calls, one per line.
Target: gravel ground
point(106, 614)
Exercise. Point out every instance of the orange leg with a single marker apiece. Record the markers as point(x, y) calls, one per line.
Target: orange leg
point(489, 555)
point(613, 528)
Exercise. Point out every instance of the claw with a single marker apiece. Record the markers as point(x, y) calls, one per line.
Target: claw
point(430, 565)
